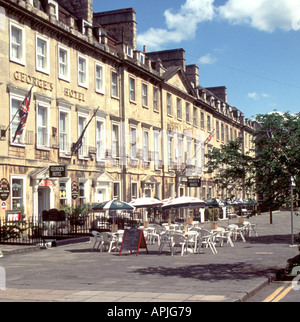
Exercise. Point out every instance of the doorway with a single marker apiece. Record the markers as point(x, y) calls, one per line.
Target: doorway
point(43, 200)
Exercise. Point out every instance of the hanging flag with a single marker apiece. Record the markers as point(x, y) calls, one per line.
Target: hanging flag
point(209, 137)
point(76, 146)
point(23, 114)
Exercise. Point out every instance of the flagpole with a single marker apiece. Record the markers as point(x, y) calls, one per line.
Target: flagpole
point(74, 147)
point(4, 132)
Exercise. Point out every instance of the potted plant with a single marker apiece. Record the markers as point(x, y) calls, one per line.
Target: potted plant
point(213, 217)
point(76, 214)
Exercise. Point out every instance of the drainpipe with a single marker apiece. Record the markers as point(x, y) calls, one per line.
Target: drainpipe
point(123, 136)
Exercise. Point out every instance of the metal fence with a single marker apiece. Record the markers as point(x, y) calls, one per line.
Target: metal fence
point(32, 232)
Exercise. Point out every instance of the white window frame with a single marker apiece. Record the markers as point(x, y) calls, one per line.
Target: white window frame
point(146, 139)
point(65, 150)
point(142, 58)
point(129, 51)
point(84, 72)
point(134, 183)
point(45, 143)
point(55, 4)
point(195, 116)
point(132, 89)
point(114, 85)
point(133, 142)
point(156, 148)
point(144, 95)
point(21, 59)
point(83, 151)
point(45, 68)
point(155, 99)
point(20, 141)
point(169, 103)
point(99, 79)
point(65, 77)
point(180, 150)
point(179, 108)
point(115, 151)
point(100, 140)
point(118, 195)
point(67, 198)
point(85, 198)
point(188, 112)
point(23, 179)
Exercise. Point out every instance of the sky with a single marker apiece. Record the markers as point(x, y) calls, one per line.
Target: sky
point(251, 47)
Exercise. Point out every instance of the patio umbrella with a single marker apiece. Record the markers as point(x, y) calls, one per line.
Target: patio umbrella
point(145, 202)
point(113, 205)
point(184, 202)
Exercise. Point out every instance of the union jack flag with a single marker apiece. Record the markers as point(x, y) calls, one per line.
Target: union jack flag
point(209, 137)
point(23, 114)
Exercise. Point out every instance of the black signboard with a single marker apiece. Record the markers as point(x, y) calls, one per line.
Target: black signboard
point(133, 240)
point(57, 171)
point(53, 215)
point(74, 190)
point(194, 183)
point(4, 189)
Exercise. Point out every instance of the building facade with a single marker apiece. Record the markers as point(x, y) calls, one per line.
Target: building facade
point(148, 118)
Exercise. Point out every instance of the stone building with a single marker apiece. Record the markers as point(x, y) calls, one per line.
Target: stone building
point(148, 117)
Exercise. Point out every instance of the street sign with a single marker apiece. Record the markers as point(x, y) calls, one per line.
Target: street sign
point(57, 171)
point(3, 205)
point(196, 183)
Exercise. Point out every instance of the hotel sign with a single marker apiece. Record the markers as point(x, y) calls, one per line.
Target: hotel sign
point(195, 183)
point(24, 78)
point(58, 171)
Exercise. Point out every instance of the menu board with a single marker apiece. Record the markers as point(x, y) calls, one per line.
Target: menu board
point(133, 240)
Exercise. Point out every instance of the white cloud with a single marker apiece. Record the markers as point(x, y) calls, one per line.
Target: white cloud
point(255, 96)
point(180, 25)
point(207, 59)
point(266, 15)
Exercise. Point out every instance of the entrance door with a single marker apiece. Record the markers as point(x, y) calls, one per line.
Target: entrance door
point(100, 195)
point(43, 199)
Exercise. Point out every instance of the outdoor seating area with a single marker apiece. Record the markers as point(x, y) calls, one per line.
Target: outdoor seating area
point(181, 238)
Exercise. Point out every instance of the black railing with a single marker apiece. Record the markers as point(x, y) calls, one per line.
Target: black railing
point(32, 232)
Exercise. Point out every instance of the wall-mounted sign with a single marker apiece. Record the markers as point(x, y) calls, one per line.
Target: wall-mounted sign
point(3, 205)
point(58, 171)
point(13, 215)
point(4, 189)
point(74, 190)
point(46, 183)
point(24, 78)
point(73, 94)
point(196, 183)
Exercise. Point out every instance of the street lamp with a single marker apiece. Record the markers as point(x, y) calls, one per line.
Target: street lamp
point(292, 210)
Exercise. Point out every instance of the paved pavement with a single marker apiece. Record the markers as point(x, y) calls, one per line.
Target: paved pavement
point(76, 273)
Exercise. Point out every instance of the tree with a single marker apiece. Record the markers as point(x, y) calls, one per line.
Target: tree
point(231, 167)
point(277, 157)
point(271, 165)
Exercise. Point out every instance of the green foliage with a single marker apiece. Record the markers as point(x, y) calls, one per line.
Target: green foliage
point(269, 167)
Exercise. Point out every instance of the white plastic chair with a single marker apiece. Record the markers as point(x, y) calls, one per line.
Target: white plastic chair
point(237, 231)
point(191, 240)
point(249, 228)
point(165, 239)
point(107, 241)
point(206, 239)
point(226, 234)
point(178, 241)
point(97, 238)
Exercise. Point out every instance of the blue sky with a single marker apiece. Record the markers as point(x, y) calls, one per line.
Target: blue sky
point(251, 47)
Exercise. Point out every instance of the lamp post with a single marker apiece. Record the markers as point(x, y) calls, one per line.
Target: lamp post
point(292, 210)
